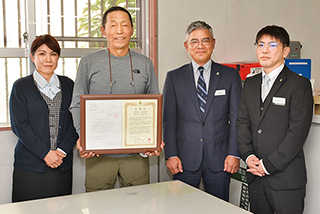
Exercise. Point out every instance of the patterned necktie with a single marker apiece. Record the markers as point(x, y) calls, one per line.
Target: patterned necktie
point(202, 92)
point(265, 87)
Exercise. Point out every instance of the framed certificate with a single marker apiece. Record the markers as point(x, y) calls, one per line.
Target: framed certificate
point(121, 123)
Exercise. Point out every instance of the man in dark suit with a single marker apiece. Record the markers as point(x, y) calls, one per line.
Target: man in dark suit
point(201, 101)
point(275, 115)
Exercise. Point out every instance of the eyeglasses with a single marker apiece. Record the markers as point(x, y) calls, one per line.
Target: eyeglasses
point(195, 42)
point(271, 45)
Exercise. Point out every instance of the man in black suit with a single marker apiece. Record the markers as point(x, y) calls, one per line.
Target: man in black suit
point(201, 102)
point(275, 115)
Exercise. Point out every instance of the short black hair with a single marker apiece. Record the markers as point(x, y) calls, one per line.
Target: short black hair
point(112, 9)
point(275, 31)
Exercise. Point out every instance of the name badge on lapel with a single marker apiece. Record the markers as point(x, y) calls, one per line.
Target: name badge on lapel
point(279, 101)
point(221, 92)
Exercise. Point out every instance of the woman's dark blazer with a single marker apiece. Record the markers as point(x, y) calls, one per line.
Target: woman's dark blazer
point(29, 116)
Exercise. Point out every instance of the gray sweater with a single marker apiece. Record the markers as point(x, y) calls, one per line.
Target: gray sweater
point(93, 77)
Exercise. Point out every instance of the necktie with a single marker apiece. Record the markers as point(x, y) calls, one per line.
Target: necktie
point(202, 92)
point(265, 87)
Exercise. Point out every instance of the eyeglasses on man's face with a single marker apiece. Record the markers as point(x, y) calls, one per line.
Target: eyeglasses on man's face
point(195, 42)
point(271, 45)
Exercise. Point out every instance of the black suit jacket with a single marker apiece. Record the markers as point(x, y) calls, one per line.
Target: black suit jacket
point(186, 134)
point(277, 133)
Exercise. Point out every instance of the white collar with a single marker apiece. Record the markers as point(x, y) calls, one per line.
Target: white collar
point(274, 74)
point(50, 88)
point(207, 66)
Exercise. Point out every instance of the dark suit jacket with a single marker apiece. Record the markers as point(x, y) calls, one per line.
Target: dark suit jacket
point(277, 133)
point(188, 135)
point(29, 116)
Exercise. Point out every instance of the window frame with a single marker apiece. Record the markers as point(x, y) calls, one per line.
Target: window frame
point(148, 46)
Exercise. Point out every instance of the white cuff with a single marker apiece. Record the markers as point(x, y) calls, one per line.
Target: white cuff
point(143, 155)
point(264, 167)
point(62, 151)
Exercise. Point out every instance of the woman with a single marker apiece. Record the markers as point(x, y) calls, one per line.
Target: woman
point(41, 120)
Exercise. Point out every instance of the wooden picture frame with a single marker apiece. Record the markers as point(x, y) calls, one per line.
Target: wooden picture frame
point(121, 123)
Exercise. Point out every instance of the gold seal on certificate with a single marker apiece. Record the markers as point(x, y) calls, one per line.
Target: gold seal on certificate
point(121, 123)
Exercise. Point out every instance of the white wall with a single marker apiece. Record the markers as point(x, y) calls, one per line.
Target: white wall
point(8, 142)
point(235, 24)
point(312, 151)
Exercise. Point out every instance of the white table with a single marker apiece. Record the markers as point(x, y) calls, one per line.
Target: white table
point(167, 197)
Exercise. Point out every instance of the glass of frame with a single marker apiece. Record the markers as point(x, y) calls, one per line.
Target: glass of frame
point(121, 123)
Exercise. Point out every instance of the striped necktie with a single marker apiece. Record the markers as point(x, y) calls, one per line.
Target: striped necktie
point(202, 92)
point(265, 87)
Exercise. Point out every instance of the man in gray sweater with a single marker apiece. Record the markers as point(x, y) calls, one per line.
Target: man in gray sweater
point(115, 70)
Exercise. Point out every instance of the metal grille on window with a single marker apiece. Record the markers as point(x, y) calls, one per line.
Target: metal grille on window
point(74, 23)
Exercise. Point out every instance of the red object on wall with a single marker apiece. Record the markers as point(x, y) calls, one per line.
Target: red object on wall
point(243, 67)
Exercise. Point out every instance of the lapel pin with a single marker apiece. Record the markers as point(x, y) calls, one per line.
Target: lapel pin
point(217, 73)
point(280, 80)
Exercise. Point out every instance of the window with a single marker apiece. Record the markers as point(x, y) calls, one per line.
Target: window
point(74, 23)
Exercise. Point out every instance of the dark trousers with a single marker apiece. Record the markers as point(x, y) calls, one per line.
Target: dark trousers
point(265, 200)
point(32, 185)
point(215, 183)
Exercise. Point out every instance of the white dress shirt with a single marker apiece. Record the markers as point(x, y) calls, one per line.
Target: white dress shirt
point(273, 75)
point(206, 73)
point(51, 88)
